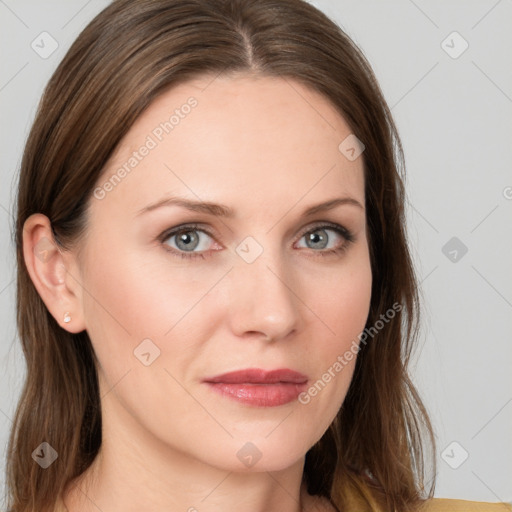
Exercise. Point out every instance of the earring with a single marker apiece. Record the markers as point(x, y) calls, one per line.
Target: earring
point(67, 317)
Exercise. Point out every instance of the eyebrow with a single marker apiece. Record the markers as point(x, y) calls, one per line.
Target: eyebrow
point(220, 210)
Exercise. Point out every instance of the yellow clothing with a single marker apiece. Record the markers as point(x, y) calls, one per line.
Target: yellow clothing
point(448, 505)
point(433, 505)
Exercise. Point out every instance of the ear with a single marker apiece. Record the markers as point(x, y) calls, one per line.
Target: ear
point(54, 272)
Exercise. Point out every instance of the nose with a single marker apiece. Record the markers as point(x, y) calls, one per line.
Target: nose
point(263, 302)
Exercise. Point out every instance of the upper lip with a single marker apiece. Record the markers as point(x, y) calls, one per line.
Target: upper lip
point(259, 376)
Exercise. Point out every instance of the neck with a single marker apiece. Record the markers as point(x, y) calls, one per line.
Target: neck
point(150, 475)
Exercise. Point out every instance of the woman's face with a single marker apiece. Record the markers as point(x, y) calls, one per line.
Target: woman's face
point(259, 283)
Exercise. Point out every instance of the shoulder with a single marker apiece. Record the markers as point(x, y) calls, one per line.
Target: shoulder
point(449, 505)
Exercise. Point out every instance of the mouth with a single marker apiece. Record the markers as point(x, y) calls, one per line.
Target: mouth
point(260, 388)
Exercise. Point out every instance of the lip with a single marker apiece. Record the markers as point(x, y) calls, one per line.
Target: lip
point(261, 388)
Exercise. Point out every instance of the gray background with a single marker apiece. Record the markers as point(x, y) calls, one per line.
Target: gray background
point(454, 116)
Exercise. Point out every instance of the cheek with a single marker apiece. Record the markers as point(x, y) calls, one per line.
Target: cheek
point(127, 289)
point(343, 302)
point(131, 298)
point(342, 307)
point(346, 304)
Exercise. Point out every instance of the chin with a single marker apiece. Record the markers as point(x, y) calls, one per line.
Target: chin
point(259, 454)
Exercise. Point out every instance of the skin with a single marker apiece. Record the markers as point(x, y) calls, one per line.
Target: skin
point(268, 149)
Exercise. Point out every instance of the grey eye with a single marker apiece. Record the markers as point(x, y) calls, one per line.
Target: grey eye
point(189, 240)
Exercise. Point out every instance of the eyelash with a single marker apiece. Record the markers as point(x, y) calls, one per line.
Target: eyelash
point(345, 233)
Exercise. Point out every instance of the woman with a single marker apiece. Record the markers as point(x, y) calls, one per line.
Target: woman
point(215, 296)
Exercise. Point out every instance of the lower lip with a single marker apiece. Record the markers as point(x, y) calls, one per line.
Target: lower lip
point(260, 395)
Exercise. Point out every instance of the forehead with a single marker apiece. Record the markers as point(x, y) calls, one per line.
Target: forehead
point(249, 141)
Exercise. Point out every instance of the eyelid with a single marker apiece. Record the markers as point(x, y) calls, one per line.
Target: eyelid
point(185, 227)
point(346, 233)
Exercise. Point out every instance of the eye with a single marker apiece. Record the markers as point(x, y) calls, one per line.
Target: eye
point(187, 241)
point(328, 238)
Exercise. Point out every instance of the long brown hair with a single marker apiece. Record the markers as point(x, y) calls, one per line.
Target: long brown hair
point(374, 452)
